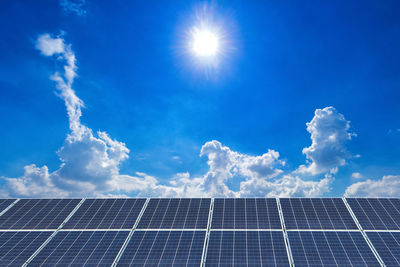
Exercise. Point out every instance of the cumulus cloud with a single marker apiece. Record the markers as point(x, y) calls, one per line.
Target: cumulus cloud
point(90, 162)
point(329, 133)
point(388, 186)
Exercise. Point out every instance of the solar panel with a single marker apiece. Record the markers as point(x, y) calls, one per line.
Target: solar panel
point(387, 244)
point(316, 213)
point(17, 247)
point(4, 203)
point(242, 213)
point(37, 213)
point(176, 213)
point(375, 213)
point(106, 214)
point(164, 248)
point(246, 248)
point(79, 248)
point(330, 248)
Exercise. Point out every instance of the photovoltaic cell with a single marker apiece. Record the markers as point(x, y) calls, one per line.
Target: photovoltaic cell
point(387, 244)
point(376, 213)
point(316, 213)
point(81, 248)
point(106, 214)
point(17, 247)
point(175, 213)
point(4, 203)
point(37, 213)
point(246, 248)
point(242, 213)
point(164, 248)
point(330, 248)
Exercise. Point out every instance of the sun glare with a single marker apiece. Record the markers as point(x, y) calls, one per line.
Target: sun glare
point(204, 43)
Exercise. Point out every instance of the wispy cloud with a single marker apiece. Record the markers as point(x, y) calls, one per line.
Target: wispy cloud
point(74, 6)
point(356, 175)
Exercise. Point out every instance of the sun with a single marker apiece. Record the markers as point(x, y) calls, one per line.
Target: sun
point(204, 43)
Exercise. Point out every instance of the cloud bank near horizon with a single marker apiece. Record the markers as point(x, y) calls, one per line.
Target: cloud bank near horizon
point(90, 162)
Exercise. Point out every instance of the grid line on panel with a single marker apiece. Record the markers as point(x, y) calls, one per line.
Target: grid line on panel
point(285, 236)
point(37, 213)
point(247, 248)
point(81, 248)
point(54, 233)
point(331, 248)
point(245, 213)
point(377, 213)
point(164, 248)
point(9, 206)
point(169, 234)
point(360, 228)
point(207, 235)
point(128, 238)
point(316, 213)
point(176, 214)
point(387, 245)
point(106, 214)
point(16, 247)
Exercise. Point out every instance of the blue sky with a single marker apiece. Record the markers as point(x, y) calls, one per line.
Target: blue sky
point(282, 65)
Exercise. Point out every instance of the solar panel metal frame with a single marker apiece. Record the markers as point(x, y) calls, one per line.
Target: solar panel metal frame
point(10, 205)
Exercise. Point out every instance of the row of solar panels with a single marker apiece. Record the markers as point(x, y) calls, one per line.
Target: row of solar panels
point(174, 232)
point(185, 248)
point(254, 213)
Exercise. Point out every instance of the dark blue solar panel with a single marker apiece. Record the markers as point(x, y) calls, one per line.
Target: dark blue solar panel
point(4, 203)
point(164, 248)
point(106, 214)
point(387, 244)
point(175, 213)
point(376, 213)
point(328, 248)
point(316, 213)
point(242, 213)
point(81, 248)
point(37, 213)
point(17, 247)
point(246, 248)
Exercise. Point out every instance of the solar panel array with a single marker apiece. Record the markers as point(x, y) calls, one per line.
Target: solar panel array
point(200, 232)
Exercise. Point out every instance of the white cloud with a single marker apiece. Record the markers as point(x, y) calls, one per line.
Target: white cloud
point(74, 6)
point(356, 175)
point(388, 186)
point(329, 133)
point(49, 45)
point(226, 164)
point(90, 162)
point(286, 186)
